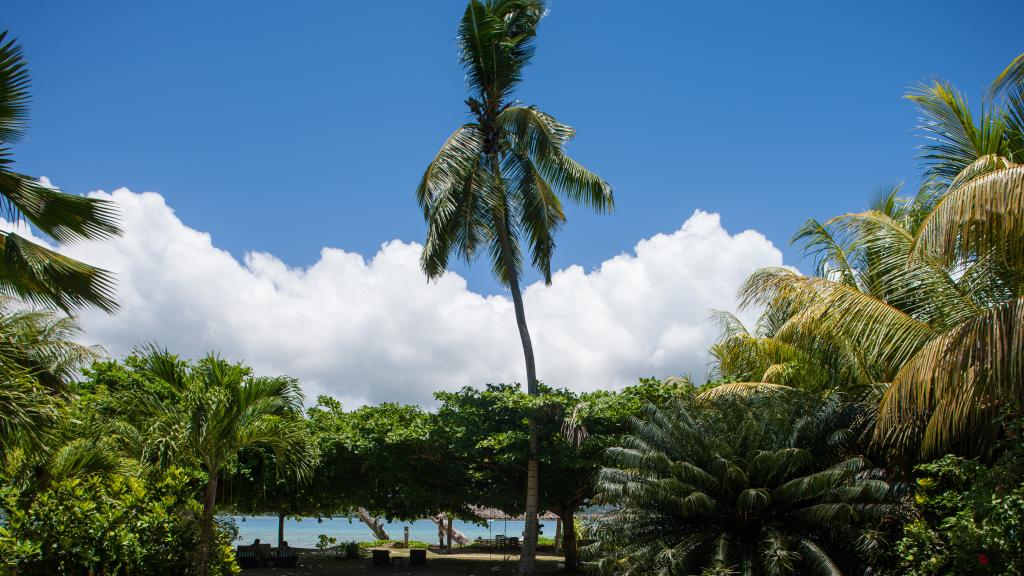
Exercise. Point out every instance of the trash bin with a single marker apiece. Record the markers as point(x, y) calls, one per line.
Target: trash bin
point(382, 558)
point(417, 557)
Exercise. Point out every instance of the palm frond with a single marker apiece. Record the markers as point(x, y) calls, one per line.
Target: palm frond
point(542, 214)
point(27, 414)
point(43, 344)
point(828, 251)
point(981, 216)
point(64, 217)
point(742, 389)
point(539, 136)
point(729, 325)
point(42, 276)
point(1012, 78)
point(1008, 91)
point(953, 140)
point(816, 560)
point(878, 329)
point(955, 382)
point(496, 43)
point(925, 289)
point(14, 86)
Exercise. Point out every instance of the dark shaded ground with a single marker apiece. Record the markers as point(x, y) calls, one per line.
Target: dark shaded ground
point(468, 563)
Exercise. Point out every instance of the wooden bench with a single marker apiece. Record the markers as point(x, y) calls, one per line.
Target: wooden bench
point(284, 558)
point(252, 556)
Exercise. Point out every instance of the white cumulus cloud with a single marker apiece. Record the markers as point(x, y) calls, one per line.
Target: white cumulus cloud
point(372, 330)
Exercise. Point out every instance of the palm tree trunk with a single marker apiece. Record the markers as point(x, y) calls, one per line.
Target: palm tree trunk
point(572, 559)
point(280, 529)
point(558, 535)
point(527, 559)
point(529, 554)
point(206, 528)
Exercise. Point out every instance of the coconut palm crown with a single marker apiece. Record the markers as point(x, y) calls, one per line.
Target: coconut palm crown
point(500, 178)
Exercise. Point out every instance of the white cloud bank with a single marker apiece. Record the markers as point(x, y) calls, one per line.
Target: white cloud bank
point(375, 330)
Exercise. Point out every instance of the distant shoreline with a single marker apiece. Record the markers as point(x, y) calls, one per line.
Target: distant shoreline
point(305, 533)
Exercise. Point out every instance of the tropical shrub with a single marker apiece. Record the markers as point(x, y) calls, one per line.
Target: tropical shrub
point(325, 542)
point(379, 543)
point(738, 486)
point(113, 524)
point(969, 520)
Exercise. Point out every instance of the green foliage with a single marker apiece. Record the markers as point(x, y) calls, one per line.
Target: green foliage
point(108, 525)
point(324, 542)
point(352, 550)
point(969, 520)
point(417, 544)
point(201, 415)
point(761, 485)
point(487, 434)
point(382, 458)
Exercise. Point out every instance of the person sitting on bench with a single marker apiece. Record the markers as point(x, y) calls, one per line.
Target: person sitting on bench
point(284, 556)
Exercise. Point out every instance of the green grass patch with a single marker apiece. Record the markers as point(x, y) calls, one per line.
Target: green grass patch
point(390, 544)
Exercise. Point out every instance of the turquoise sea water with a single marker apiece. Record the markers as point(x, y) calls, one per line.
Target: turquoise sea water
point(305, 533)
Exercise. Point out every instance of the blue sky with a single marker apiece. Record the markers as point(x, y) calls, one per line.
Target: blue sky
point(286, 127)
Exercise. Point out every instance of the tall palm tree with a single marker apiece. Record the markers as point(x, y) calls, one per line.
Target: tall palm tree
point(28, 270)
point(216, 409)
point(738, 488)
point(927, 293)
point(497, 180)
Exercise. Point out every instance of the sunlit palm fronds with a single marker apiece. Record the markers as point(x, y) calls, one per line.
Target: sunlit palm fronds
point(742, 389)
point(880, 330)
point(959, 382)
point(924, 289)
point(501, 180)
point(829, 252)
point(921, 292)
point(954, 140)
point(496, 41)
point(981, 216)
point(1008, 91)
point(14, 90)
